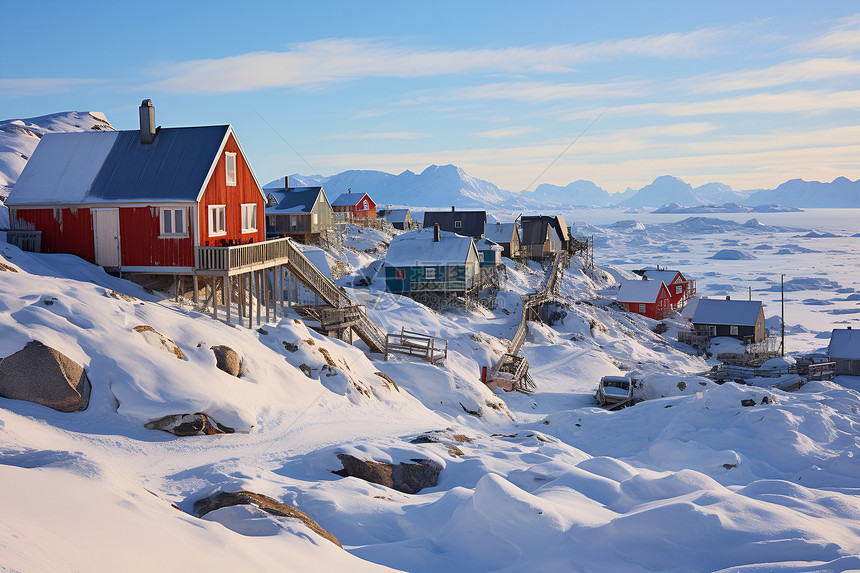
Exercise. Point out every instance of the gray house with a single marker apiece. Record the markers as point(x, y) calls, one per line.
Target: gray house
point(539, 238)
point(506, 235)
point(844, 350)
point(739, 319)
point(302, 213)
point(466, 223)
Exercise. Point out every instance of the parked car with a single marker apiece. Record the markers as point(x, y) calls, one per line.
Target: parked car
point(614, 390)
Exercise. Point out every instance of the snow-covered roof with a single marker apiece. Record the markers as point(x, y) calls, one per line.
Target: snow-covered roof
point(488, 245)
point(294, 200)
point(349, 199)
point(115, 167)
point(417, 248)
point(639, 291)
point(397, 215)
point(689, 309)
point(731, 312)
point(500, 232)
point(665, 276)
point(844, 343)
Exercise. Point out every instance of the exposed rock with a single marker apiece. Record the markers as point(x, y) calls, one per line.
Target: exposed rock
point(388, 381)
point(40, 374)
point(228, 360)
point(120, 296)
point(290, 346)
point(7, 268)
point(266, 503)
point(306, 369)
point(408, 478)
point(327, 357)
point(461, 438)
point(455, 451)
point(682, 385)
point(188, 425)
point(158, 340)
point(748, 402)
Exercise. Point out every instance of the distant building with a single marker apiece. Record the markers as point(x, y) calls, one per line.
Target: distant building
point(466, 223)
point(844, 350)
point(681, 288)
point(400, 219)
point(539, 239)
point(359, 205)
point(301, 213)
point(739, 319)
point(648, 298)
point(506, 235)
point(431, 261)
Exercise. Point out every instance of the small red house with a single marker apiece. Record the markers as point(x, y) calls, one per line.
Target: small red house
point(649, 298)
point(139, 201)
point(358, 204)
point(679, 286)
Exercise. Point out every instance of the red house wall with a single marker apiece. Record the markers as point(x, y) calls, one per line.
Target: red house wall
point(357, 210)
point(64, 230)
point(140, 246)
point(217, 193)
point(656, 309)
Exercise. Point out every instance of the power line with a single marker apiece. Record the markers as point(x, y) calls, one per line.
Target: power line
point(566, 148)
point(287, 142)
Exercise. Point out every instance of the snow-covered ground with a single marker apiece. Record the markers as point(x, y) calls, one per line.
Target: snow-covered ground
point(687, 480)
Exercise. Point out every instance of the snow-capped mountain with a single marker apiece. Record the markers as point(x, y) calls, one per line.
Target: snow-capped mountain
point(19, 137)
point(720, 193)
point(664, 189)
point(436, 186)
point(579, 192)
point(841, 192)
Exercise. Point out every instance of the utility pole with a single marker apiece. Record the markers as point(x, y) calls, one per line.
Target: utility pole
point(782, 319)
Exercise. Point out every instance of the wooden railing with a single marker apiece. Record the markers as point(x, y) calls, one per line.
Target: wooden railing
point(427, 347)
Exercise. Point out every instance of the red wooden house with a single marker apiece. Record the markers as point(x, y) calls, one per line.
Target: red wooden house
point(648, 298)
point(359, 205)
point(681, 288)
point(140, 201)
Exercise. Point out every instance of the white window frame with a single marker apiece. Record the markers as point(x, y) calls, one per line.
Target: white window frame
point(458, 224)
point(217, 224)
point(168, 215)
point(429, 273)
point(365, 206)
point(229, 158)
point(679, 289)
point(643, 308)
point(249, 215)
point(733, 330)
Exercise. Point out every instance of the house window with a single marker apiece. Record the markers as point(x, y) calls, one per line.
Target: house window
point(365, 206)
point(641, 309)
point(430, 273)
point(400, 274)
point(481, 256)
point(217, 220)
point(230, 162)
point(173, 222)
point(249, 217)
point(733, 330)
point(679, 289)
point(458, 224)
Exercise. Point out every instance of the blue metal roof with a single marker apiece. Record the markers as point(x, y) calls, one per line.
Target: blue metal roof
point(174, 167)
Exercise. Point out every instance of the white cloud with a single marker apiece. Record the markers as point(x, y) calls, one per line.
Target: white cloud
point(547, 91)
point(337, 60)
point(845, 37)
point(511, 131)
point(781, 74)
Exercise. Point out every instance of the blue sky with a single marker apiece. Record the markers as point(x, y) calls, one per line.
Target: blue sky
point(746, 93)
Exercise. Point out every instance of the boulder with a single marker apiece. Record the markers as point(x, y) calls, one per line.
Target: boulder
point(266, 503)
point(188, 425)
point(228, 360)
point(40, 374)
point(158, 340)
point(408, 478)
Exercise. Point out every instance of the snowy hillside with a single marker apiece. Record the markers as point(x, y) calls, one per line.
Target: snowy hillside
point(698, 477)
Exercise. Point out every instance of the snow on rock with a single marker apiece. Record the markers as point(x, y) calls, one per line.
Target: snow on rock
point(732, 255)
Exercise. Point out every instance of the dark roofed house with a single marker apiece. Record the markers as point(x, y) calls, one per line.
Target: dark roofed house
point(844, 350)
point(139, 200)
point(539, 238)
point(466, 223)
point(739, 319)
point(302, 213)
point(400, 219)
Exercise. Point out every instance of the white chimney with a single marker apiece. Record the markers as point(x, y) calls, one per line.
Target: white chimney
point(147, 122)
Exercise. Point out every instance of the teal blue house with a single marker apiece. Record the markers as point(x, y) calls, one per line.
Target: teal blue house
point(431, 261)
point(489, 253)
